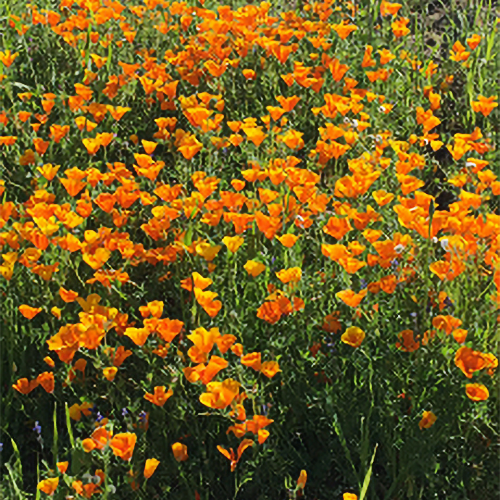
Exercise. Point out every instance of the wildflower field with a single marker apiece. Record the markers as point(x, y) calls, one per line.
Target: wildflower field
point(249, 251)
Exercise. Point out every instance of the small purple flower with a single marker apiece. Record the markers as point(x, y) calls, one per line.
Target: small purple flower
point(37, 428)
point(124, 411)
point(142, 416)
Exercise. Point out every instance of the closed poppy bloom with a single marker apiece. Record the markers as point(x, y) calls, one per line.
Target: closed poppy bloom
point(150, 466)
point(254, 268)
point(123, 445)
point(29, 312)
point(353, 336)
point(349, 496)
point(180, 452)
point(301, 482)
point(49, 361)
point(88, 445)
point(56, 312)
point(48, 486)
point(477, 392)
point(252, 360)
point(460, 334)
point(428, 419)
point(110, 373)
point(62, 466)
point(249, 74)
point(270, 368)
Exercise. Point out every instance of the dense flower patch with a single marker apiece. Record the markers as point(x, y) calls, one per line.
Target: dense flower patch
point(241, 247)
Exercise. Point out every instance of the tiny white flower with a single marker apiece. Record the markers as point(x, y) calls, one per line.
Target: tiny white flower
point(445, 245)
point(399, 248)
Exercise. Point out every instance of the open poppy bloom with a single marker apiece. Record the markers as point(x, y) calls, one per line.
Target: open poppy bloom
point(220, 394)
point(160, 397)
point(230, 455)
point(477, 392)
point(29, 312)
point(353, 336)
point(48, 486)
point(123, 445)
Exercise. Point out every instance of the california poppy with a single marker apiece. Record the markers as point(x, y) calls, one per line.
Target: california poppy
point(427, 420)
point(150, 467)
point(477, 392)
point(123, 445)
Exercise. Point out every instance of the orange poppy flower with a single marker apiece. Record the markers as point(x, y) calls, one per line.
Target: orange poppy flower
point(138, 335)
point(123, 445)
point(352, 299)
point(389, 9)
point(459, 335)
point(62, 467)
point(477, 392)
point(301, 481)
point(291, 275)
point(28, 311)
point(24, 386)
point(428, 419)
point(46, 380)
point(230, 455)
point(447, 323)
point(344, 29)
point(233, 243)
point(337, 227)
point(67, 295)
point(270, 368)
point(350, 496)
point(110, 373)
point(220, 394)
point(407, 342)
point(180, 452)
point(470, 361)
point(254, 268)
point(287, 240)
point(484, 105)
point(150, 467)
point(474, 41)
point(252, 360)
point(353, 336)
point(48, 486)
point(160, 397)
